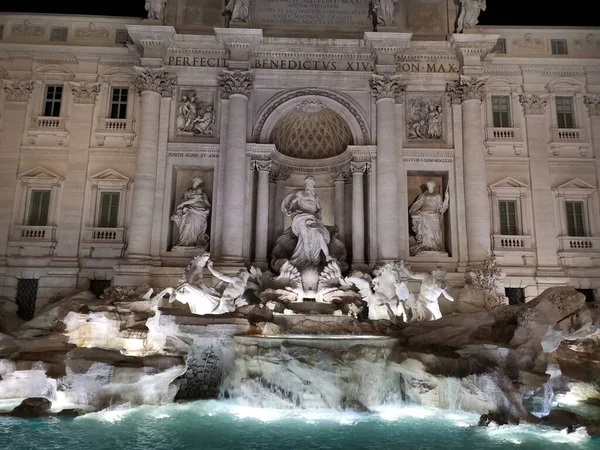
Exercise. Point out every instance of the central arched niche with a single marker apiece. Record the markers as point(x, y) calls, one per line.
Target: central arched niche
point(311, 130)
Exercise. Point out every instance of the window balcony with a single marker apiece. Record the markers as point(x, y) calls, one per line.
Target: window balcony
point(115, 128)
point(569, 135)
point(494, 134)
point(44, 123)
point(516, 243)
point(33, 233)
point(105, 235)
point(579, 244)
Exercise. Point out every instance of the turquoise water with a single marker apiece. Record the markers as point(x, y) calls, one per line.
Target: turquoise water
point(228, 425)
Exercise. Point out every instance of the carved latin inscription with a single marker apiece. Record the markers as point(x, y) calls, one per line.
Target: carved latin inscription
point(316, 13)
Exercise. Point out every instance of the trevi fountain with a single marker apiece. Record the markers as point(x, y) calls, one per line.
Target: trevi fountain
point(352, 208)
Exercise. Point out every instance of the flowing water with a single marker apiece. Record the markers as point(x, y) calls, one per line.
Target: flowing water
point(230, 425)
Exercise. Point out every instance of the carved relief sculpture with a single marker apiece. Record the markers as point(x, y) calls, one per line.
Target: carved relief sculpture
point(156, 80)
point(195, 116)
point(191, 216)
point(588, 43)
point(237, 10)
point(529, 42)
point(593, 104)
point(424, 119)
point(85, 92)
point(533, 104)
point(91, 32)
point(26, 28)
point(469, 14)
point(156, 9)
point(426, 214)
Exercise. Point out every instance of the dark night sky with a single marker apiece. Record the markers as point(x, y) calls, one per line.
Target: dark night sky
point(499, 12)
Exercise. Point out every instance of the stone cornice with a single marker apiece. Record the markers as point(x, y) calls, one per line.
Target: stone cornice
point(193, 151)
point(152, 40)
point(533, 104)
point(327, 165)
point(85, 93)
point(239, 37)
point(473, 48)
point(593, 104)
point(156, 80)
point(387, 86)
point(235, 82)
point(467, 88)
point(387, 42)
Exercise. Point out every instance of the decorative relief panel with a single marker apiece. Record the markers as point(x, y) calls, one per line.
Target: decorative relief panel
point(424, 118)
point(91, 32)
point(589, 43)
point(28, 29)
point(530, 42)
point(195, 113)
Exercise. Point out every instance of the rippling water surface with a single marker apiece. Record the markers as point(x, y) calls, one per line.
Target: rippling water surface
point(228, 425)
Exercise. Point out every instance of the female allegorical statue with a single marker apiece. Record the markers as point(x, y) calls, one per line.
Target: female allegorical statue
point(191, 216)
point(426, 215)
point(307, 224)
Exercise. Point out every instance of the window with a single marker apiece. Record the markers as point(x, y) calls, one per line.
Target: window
point(1, 32)
point(26, 297)
point(39, 206)
point(122, 37)
point(565, 112)
point(559, 47)
point(59, 34)
point(118, 103)
point(508, 217)
point(500, 47)
point(515, 296)
point(109, 209)
point(575, 218)
point(501, 111)
point(53, 99)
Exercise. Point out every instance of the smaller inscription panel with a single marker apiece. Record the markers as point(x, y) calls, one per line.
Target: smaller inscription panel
point(312, 13)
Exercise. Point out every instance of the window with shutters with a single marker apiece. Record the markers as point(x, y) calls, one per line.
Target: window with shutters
point(559, 47)
point(565, 113)
point(39, 207)
point(501, 111)
point(508, 217)
point(109, 209)
point(575, 218)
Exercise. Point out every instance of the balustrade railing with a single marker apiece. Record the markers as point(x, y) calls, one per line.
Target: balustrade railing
point(510, 242)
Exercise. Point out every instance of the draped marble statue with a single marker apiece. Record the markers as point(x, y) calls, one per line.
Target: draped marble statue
point(237, 10)
point(156, 9)
point(426, 214)
point(469, 14)
point(191, 216)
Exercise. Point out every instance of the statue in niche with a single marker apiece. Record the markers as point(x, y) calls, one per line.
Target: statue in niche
point(469, 14)
point(195, 116)
point(425, 306)
point(426, 214)
point(156, 9)
point(237, 11)
point(424, 120)
point(304, 207)
point(381, 12)
point(191, 216)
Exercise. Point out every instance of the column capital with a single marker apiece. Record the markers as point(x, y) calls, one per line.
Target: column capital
point(85, 93)
point(466, 88)
point(341, 176)
point(155, 80)
point(261, 165)
point(17, 90)
point(386, 86)
point(593, 104)
point(533, 104)
point(235, 82)
point(279, 174)
point(359, 167)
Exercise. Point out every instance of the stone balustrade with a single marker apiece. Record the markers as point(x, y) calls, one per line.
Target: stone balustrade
point(33, 233)
point(43, 123)
point(503, 134)
point(569, 135)
point(115, 125)
point(506, 242)
point(579, 243)
point(99, 235)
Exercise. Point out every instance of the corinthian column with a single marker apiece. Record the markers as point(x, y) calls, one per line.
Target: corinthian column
point(262, 212)
point(386, 88)
point(471, 92)
point(358, 212)
point(152, 84)
point(235, 87)
point(542, 198)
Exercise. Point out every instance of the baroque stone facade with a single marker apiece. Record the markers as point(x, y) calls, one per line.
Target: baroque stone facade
point(102, 150)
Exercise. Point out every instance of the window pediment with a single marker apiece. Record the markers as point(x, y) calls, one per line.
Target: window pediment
point(53, 72)
point(40, 176)
point(110, 178)
point(117, 75)
point(565, 85)
point(509, 186)
point(575, 188)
